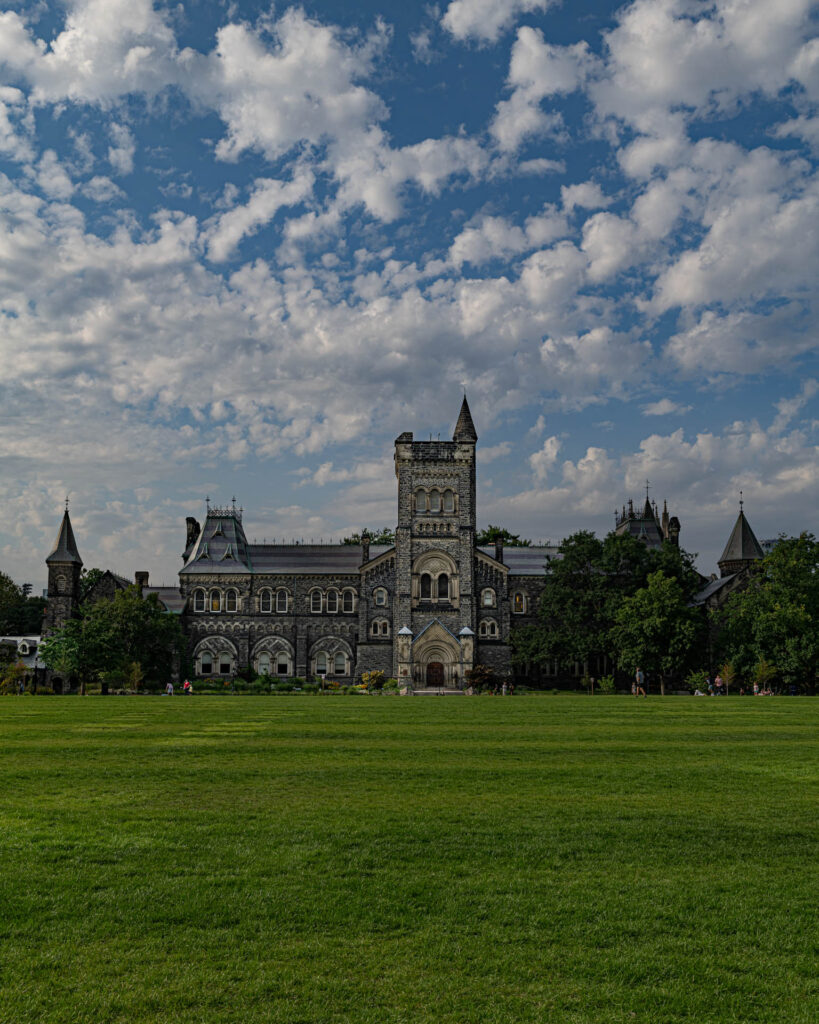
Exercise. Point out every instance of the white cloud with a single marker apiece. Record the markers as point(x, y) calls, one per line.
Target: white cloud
point(485, 20)
point(492, 452)
point(101, 189)
point(52, 177)
point(497, 238)
point(587, 194)
point(543, 460)
point(665, 407)
point(121, 154)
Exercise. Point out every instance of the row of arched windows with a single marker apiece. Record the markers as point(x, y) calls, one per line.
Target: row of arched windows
point(281, 600)
point(488, 628)
point(432, 500)
point(332, 601)
point(434, 587)
point(331, 664)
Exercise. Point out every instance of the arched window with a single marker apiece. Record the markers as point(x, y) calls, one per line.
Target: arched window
point(426, 586)
point(488, 598)
point(264, 664)
point(205, 664)
point(225, 663)
point(374, 629)
point(61, 585)
point(281, 601)
point(215, 601)
point(449, 501)
point(321, 663)
point(332, 601)
point(434, 501)
point(231, 601)
point(265, 602)
point(385, 628)
point(380, 597)
point(340, 665)
point(282, 664)
point(519, 603)
point(420, 501)
point(348, 601)
point(488, 628)
point(315, 601)
point(443, 587)
point(199, 601)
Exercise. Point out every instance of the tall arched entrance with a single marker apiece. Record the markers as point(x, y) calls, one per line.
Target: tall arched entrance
point(435, 674)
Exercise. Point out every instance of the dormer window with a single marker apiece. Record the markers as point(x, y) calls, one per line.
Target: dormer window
point(218, 532)
point(204, 553)
point(228, 552)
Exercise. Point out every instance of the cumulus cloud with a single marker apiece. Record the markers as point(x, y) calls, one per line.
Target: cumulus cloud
point(485, 20)
point(121, 153)
point(664, 407)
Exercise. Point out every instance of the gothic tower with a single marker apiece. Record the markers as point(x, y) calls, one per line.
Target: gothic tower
point(64, 566)
point(434, 545)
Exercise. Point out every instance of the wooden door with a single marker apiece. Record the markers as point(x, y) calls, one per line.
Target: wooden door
point(435, 674)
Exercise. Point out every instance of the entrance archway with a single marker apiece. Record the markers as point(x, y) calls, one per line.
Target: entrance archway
point(435, 674)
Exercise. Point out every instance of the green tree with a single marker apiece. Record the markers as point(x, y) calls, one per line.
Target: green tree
point(487, 537)
point(89, 578)
point(775, 619)
point(382, 536)
point(657, 629)
point(128, 634)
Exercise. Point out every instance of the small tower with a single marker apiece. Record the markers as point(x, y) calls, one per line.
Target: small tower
point(64, 566)
point(742, 549)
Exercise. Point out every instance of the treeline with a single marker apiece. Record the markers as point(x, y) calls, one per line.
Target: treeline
point(20, 614)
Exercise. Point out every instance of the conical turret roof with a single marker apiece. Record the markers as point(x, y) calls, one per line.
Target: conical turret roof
point(465, 428)
point(742, 545)
point(65, 547)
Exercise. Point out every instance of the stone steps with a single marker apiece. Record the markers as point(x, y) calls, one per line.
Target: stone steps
point(437, 692)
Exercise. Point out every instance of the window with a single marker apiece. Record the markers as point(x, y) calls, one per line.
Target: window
point(23, 648)
point(489, 628)
point(321, 663)
point(443, 587)
point(199, 601)
point(282, 665)
point(61, 587)
point(264, 665)
point(374, 629)
point(205, 665)
point(449, 501)
point(385, 629)
point(231, 601)
point(348, 601)
point(340, 664)
point(519, 604)
point(380, 597)
point(420, 501)
point(488, 598)
point(215, 601)
point(265, 602)
point(426, 586)
point(332, 601)
point(434, 501)
point(315, 601)
point(224, 665)
point(281, 601)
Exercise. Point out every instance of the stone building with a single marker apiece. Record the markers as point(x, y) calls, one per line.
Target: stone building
point(424, 610)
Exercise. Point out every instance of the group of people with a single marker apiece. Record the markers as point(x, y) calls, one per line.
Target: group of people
point(187, 689)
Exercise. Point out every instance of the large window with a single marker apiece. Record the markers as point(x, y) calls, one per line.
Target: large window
point(265, 602)
point(519, 603)
point(443, 587)
point(449, 501)
point(215, 601)
point(348, 604)
point(321, 663)
point(282, 665)
point(332, 601)
point(420, 501)
point(264, 664)
point(315, 601)
point(281, 601)
point(231, 601)
point(199, 601)
point(434, 501)
point(205, 665)
point(426, 586)
point(340, 664)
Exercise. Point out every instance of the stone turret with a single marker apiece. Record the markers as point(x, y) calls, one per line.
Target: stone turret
point(742, 549)
point(64, 568)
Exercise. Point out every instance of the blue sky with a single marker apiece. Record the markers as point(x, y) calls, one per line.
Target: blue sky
point(244, 246)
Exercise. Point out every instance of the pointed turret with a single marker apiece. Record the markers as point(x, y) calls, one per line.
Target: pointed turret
point(65, 547)
point(742, 549)
point(465, 428)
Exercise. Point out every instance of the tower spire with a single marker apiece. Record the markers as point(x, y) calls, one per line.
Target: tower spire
point(465, 428)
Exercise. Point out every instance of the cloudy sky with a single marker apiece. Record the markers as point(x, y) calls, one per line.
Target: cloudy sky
point(244, 245)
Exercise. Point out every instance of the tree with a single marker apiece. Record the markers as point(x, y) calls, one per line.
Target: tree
point(382, 536)
point(89, 578)
point(657, 629)
point(486, 538)
point(775, 619)
point(127, 634)
point(19, 614)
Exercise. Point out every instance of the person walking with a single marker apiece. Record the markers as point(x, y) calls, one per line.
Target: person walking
point(169, 690)
point(639, 683)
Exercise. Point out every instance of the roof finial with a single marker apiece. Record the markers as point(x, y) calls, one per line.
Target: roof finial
point(647, 486)
point(66, 502)
point(741, 503)
point(207, 502)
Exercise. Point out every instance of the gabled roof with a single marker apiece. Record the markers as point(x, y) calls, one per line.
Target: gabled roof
point(65, 547)
point(430, 625)
point(742, 545)
point(465, 428)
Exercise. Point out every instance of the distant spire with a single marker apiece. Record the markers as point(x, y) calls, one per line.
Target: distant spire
point(741, 502)
point(465, 428)
point(65, 547)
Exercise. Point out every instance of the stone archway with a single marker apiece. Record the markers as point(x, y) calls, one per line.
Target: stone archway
point(436, 654)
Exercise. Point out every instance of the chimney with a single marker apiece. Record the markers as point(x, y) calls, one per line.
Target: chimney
point(141, 580)
point(499, 548)
point(365, 547)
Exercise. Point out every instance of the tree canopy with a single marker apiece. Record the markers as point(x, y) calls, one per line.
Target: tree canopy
point(487, 537)
point(113, 635)
point(382, 536)
point(19, 614)
point(775, 619)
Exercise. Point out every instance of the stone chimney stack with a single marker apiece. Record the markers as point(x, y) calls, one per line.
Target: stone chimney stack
point(499, 548)
point(141, 580)
point(365, 547)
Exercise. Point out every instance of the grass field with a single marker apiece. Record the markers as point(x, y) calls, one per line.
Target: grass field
point(395, 860)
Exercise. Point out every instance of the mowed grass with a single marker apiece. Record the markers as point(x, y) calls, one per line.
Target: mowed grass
point(409, 860)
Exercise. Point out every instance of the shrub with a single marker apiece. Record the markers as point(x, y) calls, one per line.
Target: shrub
point(310, 688)
point(764, 674)
point(697, 681)
point(481, 678)
point(605, 684)
point(373, 680)
point(390, 686)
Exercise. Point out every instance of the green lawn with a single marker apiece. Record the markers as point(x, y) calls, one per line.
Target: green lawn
point(446, 860)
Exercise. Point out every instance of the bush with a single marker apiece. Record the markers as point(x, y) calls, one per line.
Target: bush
point(310, 688)
point(286, 686)
point(373, 680)
point(697, 681)
point(605, 684)
point(390, 686)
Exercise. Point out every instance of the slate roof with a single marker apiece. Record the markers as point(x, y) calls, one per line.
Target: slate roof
point(742, 544)
point(283, 559)
point(524, 561)
point(65, 547)
point(711, 588)
point(465, 428)
point(169, 596)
